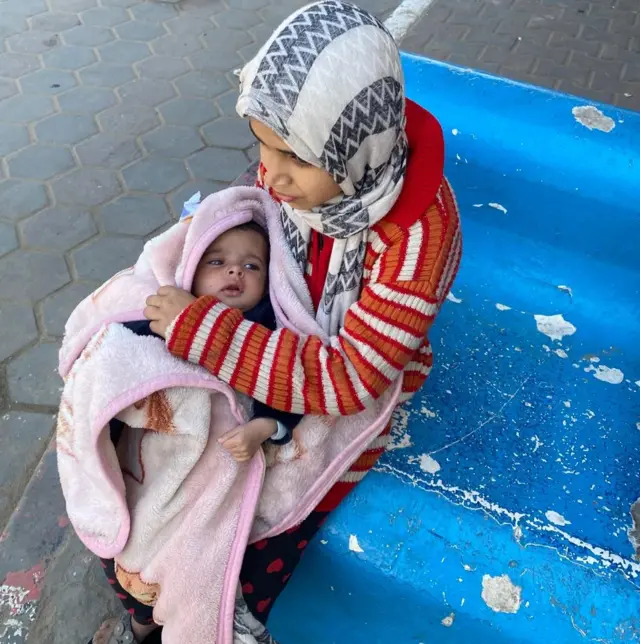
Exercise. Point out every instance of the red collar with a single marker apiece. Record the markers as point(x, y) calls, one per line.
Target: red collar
point(425, 167)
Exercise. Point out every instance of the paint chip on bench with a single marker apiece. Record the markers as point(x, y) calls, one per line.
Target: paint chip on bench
point(606, 374)
point(452, 298)
point(556, 518)
point(502, 307)
point(498, 206)
point(554, 326)
point(448, 620)
point(428, 464)
point(500, 594)
point(592, 118)
point(354, 546)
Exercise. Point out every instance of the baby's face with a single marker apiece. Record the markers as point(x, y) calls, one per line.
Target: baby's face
point(234, 269)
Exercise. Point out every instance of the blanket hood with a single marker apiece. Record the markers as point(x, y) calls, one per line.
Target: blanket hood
point(170, 259)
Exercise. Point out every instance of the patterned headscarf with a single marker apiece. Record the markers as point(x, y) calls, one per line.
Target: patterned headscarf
point(330, 84)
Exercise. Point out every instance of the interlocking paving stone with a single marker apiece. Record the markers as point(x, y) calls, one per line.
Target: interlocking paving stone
point(66, 128)
point(16, 65)
point(109, 150)
point(173, 141)
point(21, 198)
point(104, 16)
point(87, 99)
point(185, 111)
point(17, 328)
point(32, 42)
point(124, 52)
point(135, 215)
point(176, 46)
point(54, 21)
point(129, 120)
point(162, 67)
point(8, 239)
point(57, 307)
point(59, 227)
point(69, 57)
point(32, 378)
point(87, 36)
point(189, 25)
point(212, 164)
point(12, 137)
point(203, 84)
point(235, 19)
point(47, 81)
point(25, 109)
point(48, 273)
point(227, 103)
point(154, 12)
point(229, 133)
point(40, 162)
point(146, 91)
point(71, 5)
point(105, 256)
point(140, 30)
point(23, 439)
point(155, 175)
point(7, 88)
point(106, 75)
point(86, 187)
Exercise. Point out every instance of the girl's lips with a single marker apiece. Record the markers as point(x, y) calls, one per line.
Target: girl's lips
point(232, 291)
point(282, 197)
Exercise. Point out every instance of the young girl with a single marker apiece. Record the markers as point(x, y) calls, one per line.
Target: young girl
point(367, 213)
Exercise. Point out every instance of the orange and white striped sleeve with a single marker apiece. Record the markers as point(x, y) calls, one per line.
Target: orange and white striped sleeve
point(383, 330)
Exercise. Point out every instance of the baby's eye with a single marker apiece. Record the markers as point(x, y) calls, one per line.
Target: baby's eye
point(215, 262)
point(252, 267)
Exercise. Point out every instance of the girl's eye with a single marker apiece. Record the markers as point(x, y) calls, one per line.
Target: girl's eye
point(215, 262)
point(252, 267)
point(300, 162)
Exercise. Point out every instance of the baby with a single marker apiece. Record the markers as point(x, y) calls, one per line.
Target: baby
point(234, 269)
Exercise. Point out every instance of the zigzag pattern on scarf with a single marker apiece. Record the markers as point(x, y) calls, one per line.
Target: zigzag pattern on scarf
point(294, 239)
point(348, 278)
point(285, 66)
point(375, 109)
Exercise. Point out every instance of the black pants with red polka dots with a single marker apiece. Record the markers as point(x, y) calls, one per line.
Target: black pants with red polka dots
point(266, 569)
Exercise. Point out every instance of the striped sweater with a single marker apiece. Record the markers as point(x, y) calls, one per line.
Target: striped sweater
point(411, 260)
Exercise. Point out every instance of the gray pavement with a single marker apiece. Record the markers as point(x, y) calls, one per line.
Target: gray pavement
point(112, 113)
point(590, 48)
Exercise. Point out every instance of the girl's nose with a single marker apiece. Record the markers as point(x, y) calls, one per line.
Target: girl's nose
point(235, 270)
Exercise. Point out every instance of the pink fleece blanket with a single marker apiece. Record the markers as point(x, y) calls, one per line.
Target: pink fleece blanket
point(170, 505)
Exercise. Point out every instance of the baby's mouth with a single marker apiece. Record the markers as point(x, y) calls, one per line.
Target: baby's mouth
point(233, 290)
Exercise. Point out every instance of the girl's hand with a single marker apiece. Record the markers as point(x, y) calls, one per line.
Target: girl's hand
point(164, 307)
point(244, 441)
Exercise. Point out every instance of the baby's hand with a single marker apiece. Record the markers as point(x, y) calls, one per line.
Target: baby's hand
point(244, 441)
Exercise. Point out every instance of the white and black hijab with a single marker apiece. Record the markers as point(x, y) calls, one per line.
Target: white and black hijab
point(330, 84)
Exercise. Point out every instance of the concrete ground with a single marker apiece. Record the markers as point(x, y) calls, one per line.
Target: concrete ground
point(112, 113)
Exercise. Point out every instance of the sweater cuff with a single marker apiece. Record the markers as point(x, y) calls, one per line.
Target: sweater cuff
point(187, 335)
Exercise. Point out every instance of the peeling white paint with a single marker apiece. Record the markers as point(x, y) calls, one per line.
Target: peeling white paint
point(478, 205)
point(556, 518)
point(554, 326)
point(637, 383)
point(537, 443)
point(567, 403)
point(354, 546)
point(561, 353)
point(324, 542)
point(500, 594)
point(455, 132)
point(502, 307)
point(566, 289)
point(428, 464)
point(448, 620)
point(498, 206)
point(427, 412)
point(399, 437)
point(606, 374)
point(589, 414)
point(452, 298)
point(592, 118)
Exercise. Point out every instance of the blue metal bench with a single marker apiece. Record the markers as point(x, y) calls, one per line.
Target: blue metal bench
point(504, 509)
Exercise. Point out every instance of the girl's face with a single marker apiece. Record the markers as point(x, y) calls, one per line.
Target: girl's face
point(292, 180)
